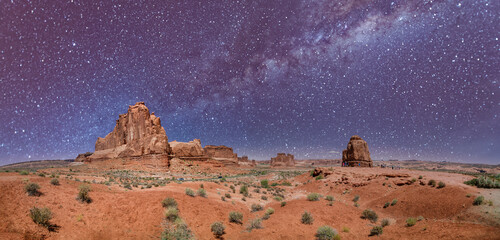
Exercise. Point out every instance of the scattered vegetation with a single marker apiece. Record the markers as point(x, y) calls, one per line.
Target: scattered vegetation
point(478, 200)
point(202, 193)
point(254, 224)
point(377, 230)
point(244, 190)
point(218, 229)
point(485, 182)
point(256, 207)
point(307, 218)
point(171, 213)
point(24, 172)
point(313, 197)
point(411, 222)
point(356, 198)
point(283, 204)
point(345, 229)
point(32, 189)
point(83, 193)
point(330, 198)
point(263, 198)
point(394, 201)
point(432, 183)
point(41, 216)
point(326, 233)
point(169, 202)
point(370, 215)
point(264, 183)
point(319, 177)
point(236, 217)
point(227, 195)
point(385, 222)
point(54, 181)
point(190, 192)
point(441, 184)
point(270, 211)
point(174, 226)
point(387, 204)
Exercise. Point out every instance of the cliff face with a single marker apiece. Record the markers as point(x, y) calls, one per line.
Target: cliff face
point(187, 149)
point(136, 133)
point(356, 154)
point(220, 152)
point(283, 160)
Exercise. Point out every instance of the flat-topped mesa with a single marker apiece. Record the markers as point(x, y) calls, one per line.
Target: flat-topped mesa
point(220, 152)
point(244, 161)
point(357, 153)
point(190, 149)
point(136, 133)
point(283, 160)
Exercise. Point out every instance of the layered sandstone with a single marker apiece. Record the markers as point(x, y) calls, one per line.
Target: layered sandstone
point(220, 152)
point(136, 133)
point(357, 153)
point(244, 161)
point(187, 149)
point(283, 160)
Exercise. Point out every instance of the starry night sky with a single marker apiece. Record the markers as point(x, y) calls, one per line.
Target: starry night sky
point(417, 79)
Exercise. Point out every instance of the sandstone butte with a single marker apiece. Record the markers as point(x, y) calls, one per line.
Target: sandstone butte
point(357, 153)
point(283, 160)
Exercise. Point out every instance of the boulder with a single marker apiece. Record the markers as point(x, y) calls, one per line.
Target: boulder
point(187, 149)
point(283, 160)
point(136, 133)
point(357, 153)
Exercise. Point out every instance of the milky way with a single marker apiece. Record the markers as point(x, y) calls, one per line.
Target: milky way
point(415, 79)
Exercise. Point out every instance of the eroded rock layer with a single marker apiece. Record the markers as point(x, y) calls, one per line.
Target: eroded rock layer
point(283, 160)
point(357, 153)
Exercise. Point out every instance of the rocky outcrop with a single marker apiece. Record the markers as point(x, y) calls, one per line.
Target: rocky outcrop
point(357, 153)
point(83, 157)
point(187, 149)
point(220, 152)
point(244, 161)
point(136, 133)
point(322, 171)
point(283, 160)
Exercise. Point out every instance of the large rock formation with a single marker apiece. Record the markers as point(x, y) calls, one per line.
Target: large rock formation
point(187, 149)
point(244, 161)
point(136, 133)
point(283, 160)
point(220, 152)
point(356, 154)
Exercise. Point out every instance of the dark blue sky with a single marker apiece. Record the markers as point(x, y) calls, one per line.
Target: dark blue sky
point(416, 79)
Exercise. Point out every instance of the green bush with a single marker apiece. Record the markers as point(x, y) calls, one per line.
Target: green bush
point(345, 229)
point(432, 183)
point(441, 185)
point(484, 182)
point(394, 201)
point(83, 193)
point(190, 192)
point(32, 189)
point(202, 193)
point(270, 211)
point(307, 218)
point(478, 200)
point(254, 224)
point(385, 222)
point(319, 177)
point(24, 172)
point(177, 230)
point(171, 214)
point(411, 222)
point(41, 216)
point(236, 217)
point(263, 198)
point(256, 207)
point(329, 198)
point(283, 204)
point(377, 230)
point(227, 195)
point(244, 190)
point(313, 197)
point(264, 183)
point(325, 233)
point(54, 181)
point(356, 198)
point(387, 204)
point(369, 214)
point(169, 202)
point(420, 177)
point(218, 229)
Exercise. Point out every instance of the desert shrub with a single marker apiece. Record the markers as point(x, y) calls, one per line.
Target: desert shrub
point(319, 177)
point(218, 229)
point(307, 218)
point(432, 183)
point(377, 230)
point(41, 216)
point(190, 192)
point(478, 200)
point(54, 181)
point(369, 214)
point(266, 216)
point(385, 222)
point(83, 193)
point(420, 177)
point(257, 190)
point(172, 213)
point(387, 204)
point(484, 182)
point(128, 186)
point(202, 193)
point(264, 183)
point(441, 184)
point(244, 190)
point(169, 202)
point(411, 221)
point(345, 229)
point(270, 211)
point(313, 197)
point(329, 198)
point(394, 201)
point(32, 189)
point(254, 224)
point(201, 186)
point(356, 198)
point(325, 233)
point(223, 198)
point(227, 195)
point(356, 204)
point(283, 204)
point(420, 218)
point(177, 230)
point(256, 207)
point(24, 172)
point(236, 217)
point(264, 198)
point(278, 198)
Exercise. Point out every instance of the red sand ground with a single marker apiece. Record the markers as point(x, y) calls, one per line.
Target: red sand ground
point(116, 213)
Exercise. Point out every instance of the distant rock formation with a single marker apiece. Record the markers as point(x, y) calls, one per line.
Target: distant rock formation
point(244, 161)
point(356, 154)
point(187, 149)
point(83, 157)
point(283, 160)
point(220, 152)
point(136, 133)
